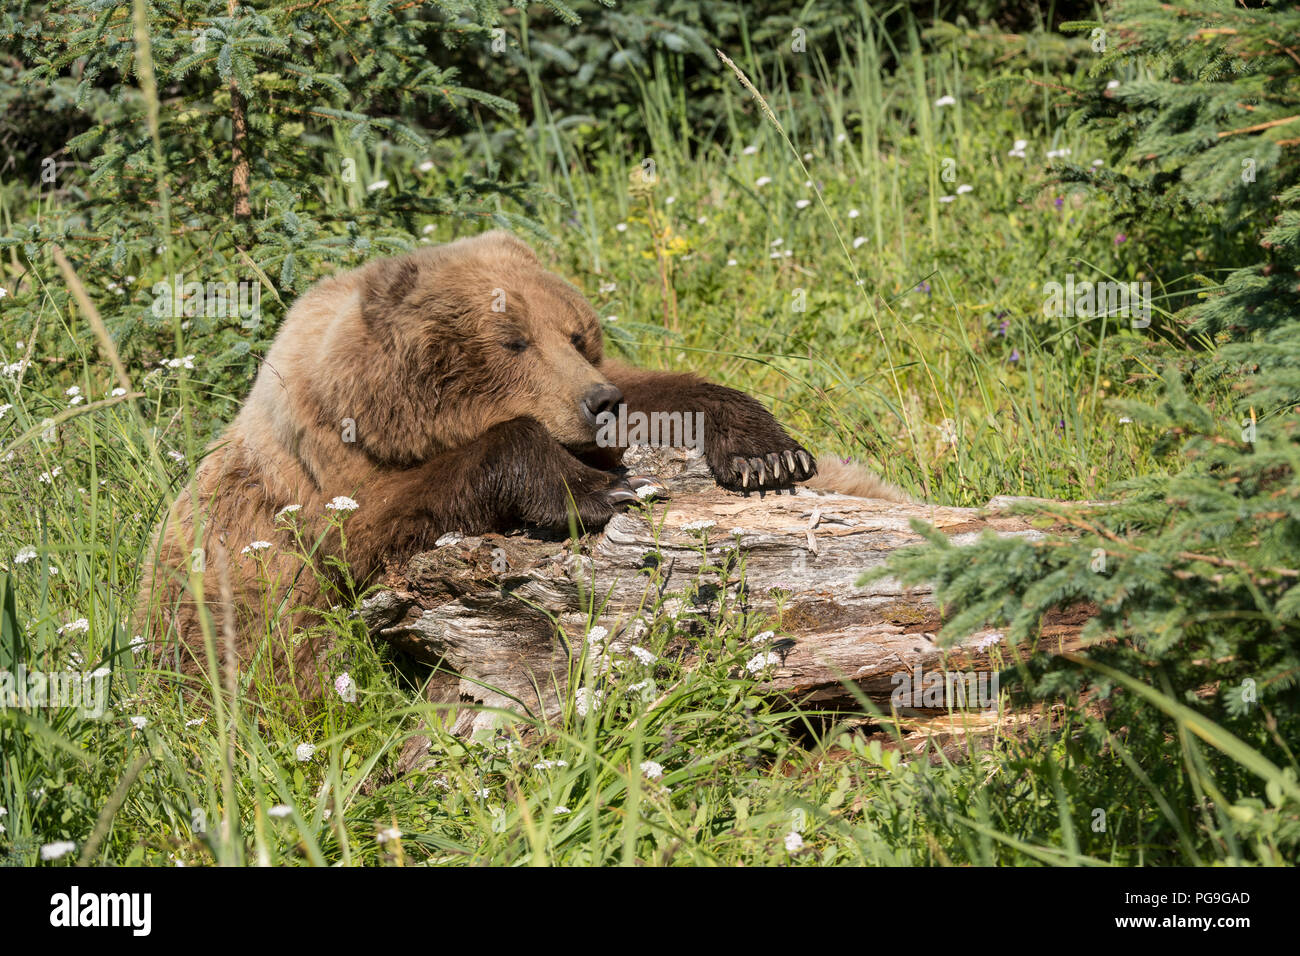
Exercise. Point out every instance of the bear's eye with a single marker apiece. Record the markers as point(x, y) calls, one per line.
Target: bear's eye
point(577, 340)
point(517, 345)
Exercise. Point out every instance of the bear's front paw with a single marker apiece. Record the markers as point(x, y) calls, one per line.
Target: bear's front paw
point(756, 469)
point(596, 506)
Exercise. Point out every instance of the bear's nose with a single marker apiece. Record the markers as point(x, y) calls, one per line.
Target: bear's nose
point(600, 399)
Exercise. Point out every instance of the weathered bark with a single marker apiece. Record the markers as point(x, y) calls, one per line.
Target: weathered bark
point(239, 177)
point(485, 609)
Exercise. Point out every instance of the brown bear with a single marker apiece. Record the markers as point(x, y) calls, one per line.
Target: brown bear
point(456, 388)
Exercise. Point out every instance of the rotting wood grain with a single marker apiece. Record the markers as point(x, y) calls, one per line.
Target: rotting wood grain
point(485, 608)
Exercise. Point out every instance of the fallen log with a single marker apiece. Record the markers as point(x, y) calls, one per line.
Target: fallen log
point(500, 616)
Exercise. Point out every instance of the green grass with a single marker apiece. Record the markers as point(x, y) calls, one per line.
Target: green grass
point(922, 351)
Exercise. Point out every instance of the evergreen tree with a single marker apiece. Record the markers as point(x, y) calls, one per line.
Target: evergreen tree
point(1192, 577)
point(251, 140)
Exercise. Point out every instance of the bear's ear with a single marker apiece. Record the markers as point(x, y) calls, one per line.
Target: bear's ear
point(385, 285)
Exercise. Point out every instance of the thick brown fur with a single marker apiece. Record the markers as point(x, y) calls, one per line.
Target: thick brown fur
point(450, 389)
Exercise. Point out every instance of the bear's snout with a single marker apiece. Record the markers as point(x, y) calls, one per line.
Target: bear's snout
point(600, 399)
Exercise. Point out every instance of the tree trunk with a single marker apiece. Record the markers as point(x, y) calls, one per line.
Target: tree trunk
point(488, 609)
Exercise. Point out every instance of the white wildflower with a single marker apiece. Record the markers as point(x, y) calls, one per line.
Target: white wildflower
point(587, 701)
point(703, 525)
point(57, 850)
point(346, 688)
point(641, 654)
point(651, 769)
point(342, 503)
point(305, 752)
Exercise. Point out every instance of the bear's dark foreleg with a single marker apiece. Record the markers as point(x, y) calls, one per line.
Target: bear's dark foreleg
point(745, 446)
point(514, 474)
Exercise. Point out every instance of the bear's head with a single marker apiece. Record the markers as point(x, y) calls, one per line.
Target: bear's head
point(474, 333)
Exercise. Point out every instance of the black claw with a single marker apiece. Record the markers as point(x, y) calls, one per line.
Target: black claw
point(741, 468)
point(619, 496)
